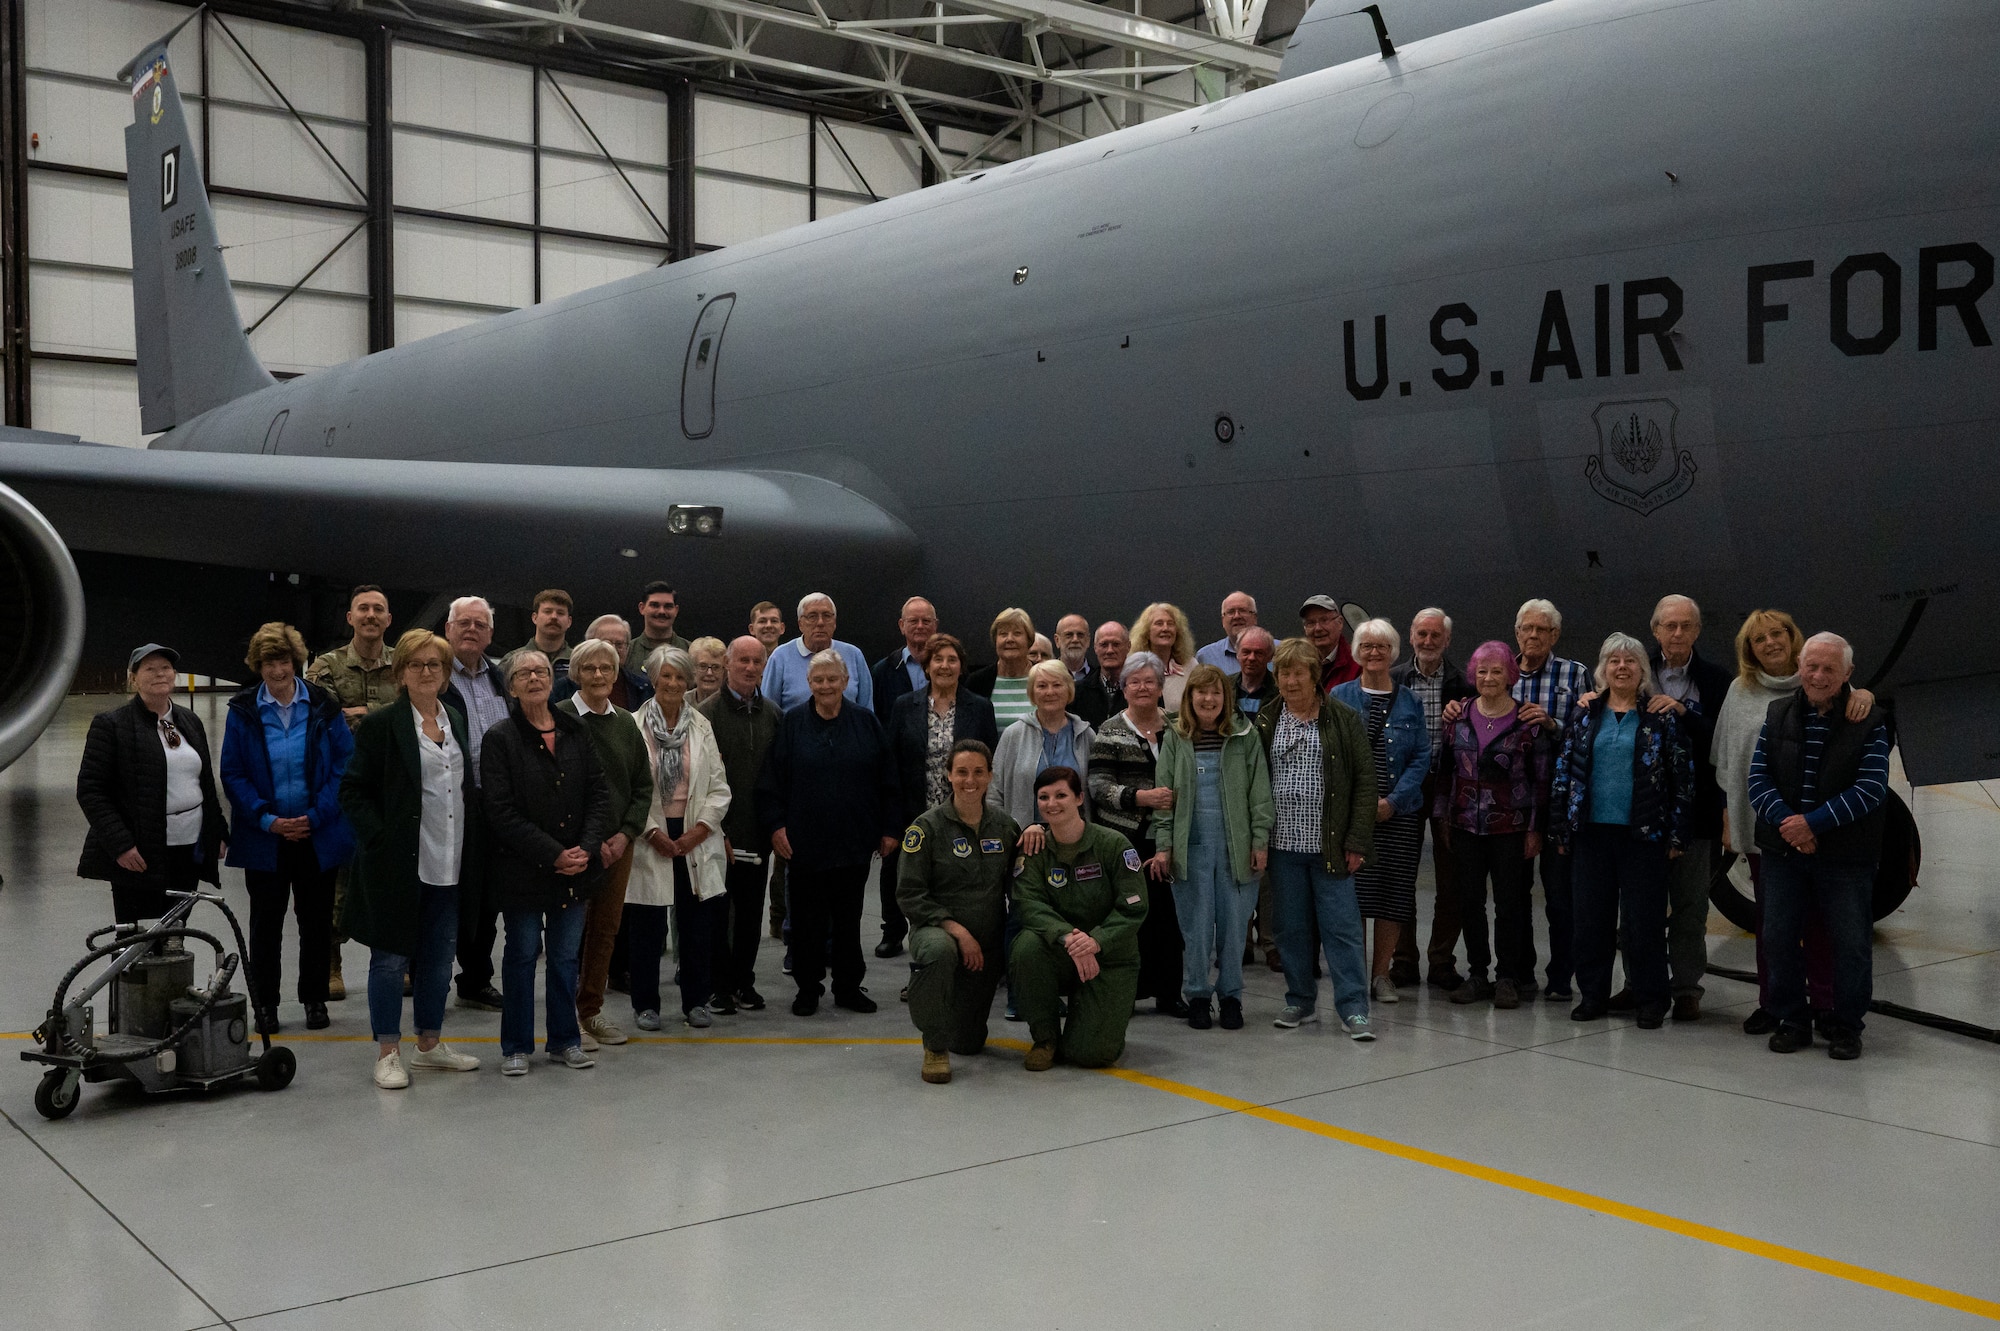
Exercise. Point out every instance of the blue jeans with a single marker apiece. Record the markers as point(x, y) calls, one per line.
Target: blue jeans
point(429, 970)
point(1845, 896)
point(563, 926)
point(1307, 892)
point(1214, 910)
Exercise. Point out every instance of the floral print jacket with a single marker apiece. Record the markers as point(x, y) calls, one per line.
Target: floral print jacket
point(1503, 789)
point(1663, 787)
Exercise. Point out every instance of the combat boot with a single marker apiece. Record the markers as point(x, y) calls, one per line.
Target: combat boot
point(336, 985)
point(1041, 1058)
point(937, 1067)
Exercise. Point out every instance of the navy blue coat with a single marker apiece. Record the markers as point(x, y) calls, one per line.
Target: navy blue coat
point(246, 776)
point(1662, 778)
point(831, 785)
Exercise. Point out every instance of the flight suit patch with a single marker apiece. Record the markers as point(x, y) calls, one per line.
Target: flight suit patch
point(1086, 872)
point(961, 847)
point(992, 845)
point(913, 840)
point(1020, 865)
point(1132, 860)
point(1058, 876)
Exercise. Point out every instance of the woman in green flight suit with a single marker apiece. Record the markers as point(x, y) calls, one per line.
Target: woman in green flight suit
point(1080, 901)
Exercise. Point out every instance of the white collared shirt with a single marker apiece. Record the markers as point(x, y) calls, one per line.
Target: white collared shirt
point(441, 833)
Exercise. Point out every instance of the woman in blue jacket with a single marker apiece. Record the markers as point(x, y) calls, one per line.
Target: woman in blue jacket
point(1622, 804)
point(284, 750)
point(1399, 740)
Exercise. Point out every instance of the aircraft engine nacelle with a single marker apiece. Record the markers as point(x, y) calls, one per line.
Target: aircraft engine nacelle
point(41, 624)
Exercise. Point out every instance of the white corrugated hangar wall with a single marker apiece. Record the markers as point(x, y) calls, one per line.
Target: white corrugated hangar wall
point(508, 183)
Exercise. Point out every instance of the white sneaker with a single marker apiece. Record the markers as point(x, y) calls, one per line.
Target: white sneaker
point(389, 1073)
point(514, 1065)
point(572, 1057)
point(588, 1040)
point(599, 1030)
point(1384, 990)
point(440, 1058)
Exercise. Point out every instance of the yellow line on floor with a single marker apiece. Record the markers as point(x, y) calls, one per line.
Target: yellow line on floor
point(1638, 1215)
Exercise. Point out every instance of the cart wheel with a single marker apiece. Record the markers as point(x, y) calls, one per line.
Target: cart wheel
point(57, 1095)
point(276, 1069)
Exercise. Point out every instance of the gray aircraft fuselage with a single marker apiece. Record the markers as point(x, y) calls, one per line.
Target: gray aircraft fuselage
point(1596, 301)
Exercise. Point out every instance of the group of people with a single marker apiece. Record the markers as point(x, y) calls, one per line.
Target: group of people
point(1094, 819)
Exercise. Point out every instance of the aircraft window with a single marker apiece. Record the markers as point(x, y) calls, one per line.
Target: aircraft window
point(698, 377)
point(275, 432)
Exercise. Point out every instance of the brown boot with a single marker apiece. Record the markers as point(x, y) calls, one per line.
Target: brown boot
point(1687, 1007)
point(1041, 1058)
point(336, 985)
point(937, 1067)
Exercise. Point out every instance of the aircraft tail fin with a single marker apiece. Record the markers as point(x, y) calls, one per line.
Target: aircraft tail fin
point(193, 352)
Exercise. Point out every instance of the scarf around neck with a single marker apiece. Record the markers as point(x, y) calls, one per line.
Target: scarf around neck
point(669, 745)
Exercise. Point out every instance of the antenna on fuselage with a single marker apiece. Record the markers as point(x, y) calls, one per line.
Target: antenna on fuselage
point(1381, 29)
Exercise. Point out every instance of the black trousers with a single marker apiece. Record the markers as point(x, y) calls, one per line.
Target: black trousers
point(825, 907)
point(134, 898)
point(1476, 859)
point(1558, 903)
point(1160, 942)
point(309, 888)
point(736, 968)
point(894, 927)
point(1619, 875)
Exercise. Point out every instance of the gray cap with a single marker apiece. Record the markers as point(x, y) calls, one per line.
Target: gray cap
point(152, 649)
point(1320, 602)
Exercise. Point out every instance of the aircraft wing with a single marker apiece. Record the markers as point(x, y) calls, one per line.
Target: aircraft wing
point(441, 523)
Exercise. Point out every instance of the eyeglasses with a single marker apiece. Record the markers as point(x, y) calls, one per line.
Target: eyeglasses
point(530, 672)
point(169, 732)
point(429, 667)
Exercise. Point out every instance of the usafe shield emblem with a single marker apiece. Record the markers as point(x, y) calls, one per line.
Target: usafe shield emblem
point(1639, 463)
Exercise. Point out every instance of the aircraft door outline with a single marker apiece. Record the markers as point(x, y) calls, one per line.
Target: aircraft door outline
point(698, 374)
point(275, 432)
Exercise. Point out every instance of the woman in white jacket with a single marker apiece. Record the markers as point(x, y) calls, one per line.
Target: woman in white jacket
point(681, 861)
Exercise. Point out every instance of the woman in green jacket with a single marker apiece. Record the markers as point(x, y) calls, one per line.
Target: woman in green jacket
point(1213, 838)
point(408, 796)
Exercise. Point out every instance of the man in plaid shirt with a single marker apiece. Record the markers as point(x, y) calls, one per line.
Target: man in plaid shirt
point(1547, 691)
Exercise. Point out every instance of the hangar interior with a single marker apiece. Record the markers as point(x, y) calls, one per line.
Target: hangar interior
point(386, 170)
point(389, 169)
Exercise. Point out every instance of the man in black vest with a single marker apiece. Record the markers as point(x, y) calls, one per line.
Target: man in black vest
point(1817, 782)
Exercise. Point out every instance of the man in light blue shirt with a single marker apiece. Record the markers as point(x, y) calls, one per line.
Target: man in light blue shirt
point(1239, 612)
point(785, 673)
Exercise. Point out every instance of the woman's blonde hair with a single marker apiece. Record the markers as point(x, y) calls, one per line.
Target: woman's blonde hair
point(1141, 630)
point(412, 645)
point(1016, 617)
point(273, 640)
point(1296, 653)
point(1201, 677)
point(590, 649)
point(1747, 664)
point(1052, 670)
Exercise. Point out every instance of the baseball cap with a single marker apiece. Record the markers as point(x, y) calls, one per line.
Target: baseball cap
point(1320, 602)
point(152, 649)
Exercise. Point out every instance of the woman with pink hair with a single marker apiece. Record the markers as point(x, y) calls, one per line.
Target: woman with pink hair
point(1492, 803)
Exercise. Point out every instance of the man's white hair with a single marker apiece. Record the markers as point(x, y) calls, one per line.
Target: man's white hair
point(1538, 606)
point(464, 603)
point(1668, 600)
point(1831, 640)
point(1382, 631)
point(602, 620)
point(810, 597)
point(1246, 596)
point(1431, 612)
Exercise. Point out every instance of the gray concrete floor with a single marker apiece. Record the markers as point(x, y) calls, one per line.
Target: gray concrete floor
point(1472, 1167)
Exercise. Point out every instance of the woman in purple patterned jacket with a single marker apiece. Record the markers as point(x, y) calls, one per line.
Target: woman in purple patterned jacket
point(1492, 802)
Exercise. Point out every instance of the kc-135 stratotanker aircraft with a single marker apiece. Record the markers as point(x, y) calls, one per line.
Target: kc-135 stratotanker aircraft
point(1594, 300)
